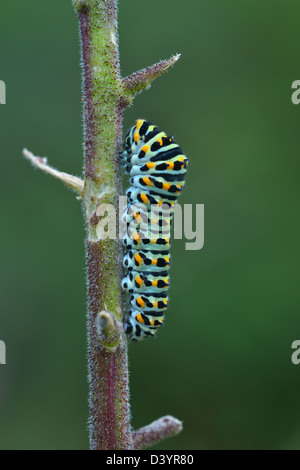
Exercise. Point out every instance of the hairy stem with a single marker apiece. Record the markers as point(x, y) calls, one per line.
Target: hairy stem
point(105, 95)
point(141, 80)
point(156, 431)
point(41, 162)
point(102, 93)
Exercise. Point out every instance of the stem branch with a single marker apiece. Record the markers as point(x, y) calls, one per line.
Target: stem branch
point(41, 162)
point(156, 431)
point(141, 80)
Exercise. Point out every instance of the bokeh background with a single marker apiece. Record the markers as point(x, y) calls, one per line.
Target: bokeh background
point(223, 362)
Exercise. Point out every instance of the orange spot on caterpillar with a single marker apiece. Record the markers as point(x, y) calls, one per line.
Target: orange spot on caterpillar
point(139, 318)
point(138, 259)
point(138, 217)
point(139, 123)
point(140, 302)
point(147, 181)
point(144, 198)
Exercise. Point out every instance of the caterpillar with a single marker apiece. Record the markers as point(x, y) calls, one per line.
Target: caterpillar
point(157, 169)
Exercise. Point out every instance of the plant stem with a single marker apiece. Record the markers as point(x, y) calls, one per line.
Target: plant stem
point(105, 95)
point(102, 92)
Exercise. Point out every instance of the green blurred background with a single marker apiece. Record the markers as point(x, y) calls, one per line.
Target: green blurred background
point(223, 362)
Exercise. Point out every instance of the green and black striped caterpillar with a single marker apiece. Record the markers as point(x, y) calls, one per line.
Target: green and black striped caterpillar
point(157, 168)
